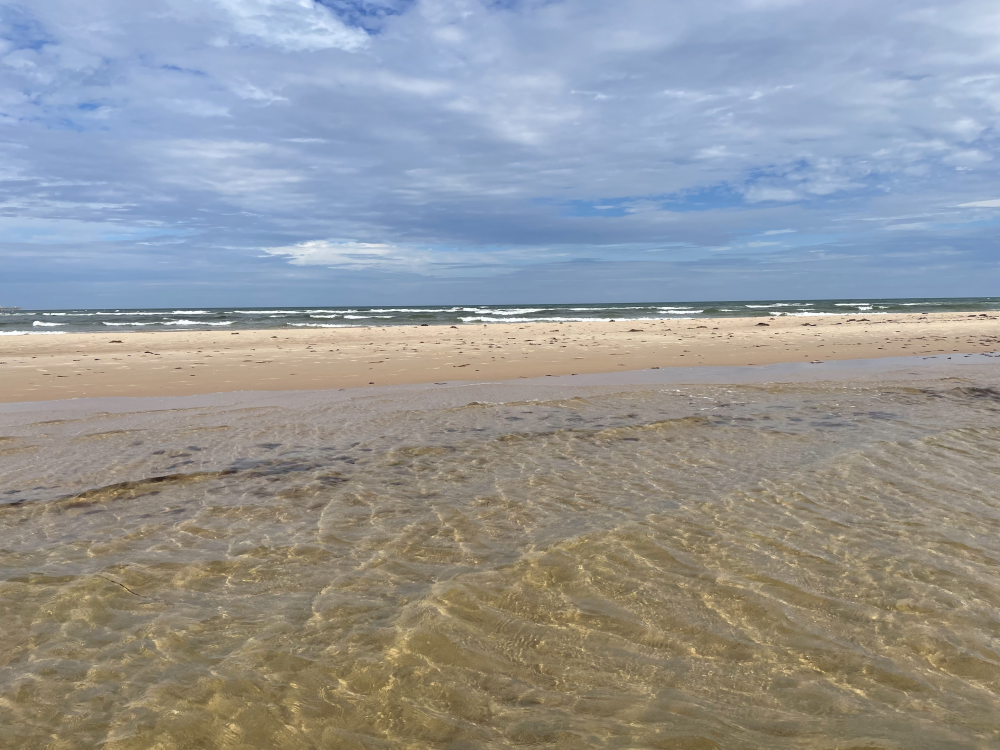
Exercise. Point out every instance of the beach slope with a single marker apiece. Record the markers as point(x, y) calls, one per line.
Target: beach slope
point(37, 368)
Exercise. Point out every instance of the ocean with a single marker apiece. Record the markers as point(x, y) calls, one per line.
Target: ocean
point(759, 563)
point(25, 322)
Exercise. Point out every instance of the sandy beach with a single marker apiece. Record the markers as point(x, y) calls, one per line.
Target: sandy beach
point(39, 368)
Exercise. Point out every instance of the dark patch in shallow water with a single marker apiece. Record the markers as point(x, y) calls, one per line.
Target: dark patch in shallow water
point(136, 489)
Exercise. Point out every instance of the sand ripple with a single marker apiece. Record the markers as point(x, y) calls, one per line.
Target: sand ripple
point(694, 568)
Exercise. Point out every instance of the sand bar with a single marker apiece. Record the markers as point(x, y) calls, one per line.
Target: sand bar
point(176, 363)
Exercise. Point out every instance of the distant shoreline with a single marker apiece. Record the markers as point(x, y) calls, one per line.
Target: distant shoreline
point(163, 363)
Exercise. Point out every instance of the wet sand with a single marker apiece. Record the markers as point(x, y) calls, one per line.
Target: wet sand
point(41, 368)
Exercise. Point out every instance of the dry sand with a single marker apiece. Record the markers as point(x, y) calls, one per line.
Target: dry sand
point(37, 368)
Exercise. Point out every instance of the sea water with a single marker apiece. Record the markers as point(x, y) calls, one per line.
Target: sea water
point(26, 322)
point(684, 566)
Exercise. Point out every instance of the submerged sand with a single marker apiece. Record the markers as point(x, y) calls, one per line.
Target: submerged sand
point(743, 564)
point(37, 368)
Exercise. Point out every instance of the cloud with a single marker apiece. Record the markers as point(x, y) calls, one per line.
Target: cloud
point(981, 204)
point(465, 138)
point(913, 226)
point(71, 231)
point(290, 25)
point(351, 255)
point(759, 194)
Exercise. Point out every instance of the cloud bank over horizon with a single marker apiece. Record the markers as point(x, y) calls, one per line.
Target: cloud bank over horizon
point(367, 151)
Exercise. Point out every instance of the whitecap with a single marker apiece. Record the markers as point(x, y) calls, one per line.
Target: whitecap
point(480, 319)
point(196, 323)
point(410, 310)
point(801, 314)
point(324, 325)
point(267, 312)
point(117, 312)
point(509, 311)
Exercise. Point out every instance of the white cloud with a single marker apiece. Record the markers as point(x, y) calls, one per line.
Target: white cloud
point(967, 158)
point(195, 107)
point(981, 204)
point(241, 170)
point(291, 25)
point(454, 124)
point(914, 226)
point(967, 128)
point(72, 231)
point(352, 255)
point(250, 92)
point(713, 152)
point(759, 194)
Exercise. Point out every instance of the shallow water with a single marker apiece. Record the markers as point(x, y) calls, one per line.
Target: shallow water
point(809, 565)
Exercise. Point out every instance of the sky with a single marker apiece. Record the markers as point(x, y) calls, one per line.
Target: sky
point(245, 152)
